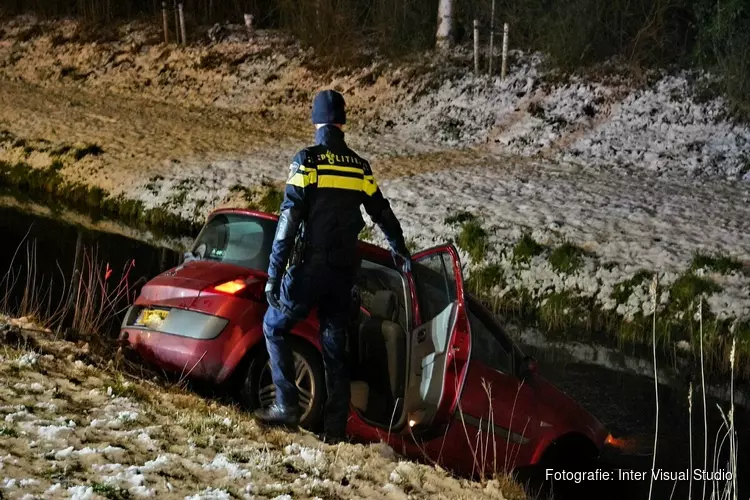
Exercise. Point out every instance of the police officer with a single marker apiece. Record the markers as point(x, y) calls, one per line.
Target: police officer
point(319, 227)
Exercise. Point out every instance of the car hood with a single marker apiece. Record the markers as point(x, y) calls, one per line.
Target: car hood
point(179, 285)
point(558, 410)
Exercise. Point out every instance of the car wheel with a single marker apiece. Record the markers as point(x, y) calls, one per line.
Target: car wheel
point(259, 390)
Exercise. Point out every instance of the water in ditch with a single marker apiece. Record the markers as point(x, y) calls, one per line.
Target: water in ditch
point(39, 256)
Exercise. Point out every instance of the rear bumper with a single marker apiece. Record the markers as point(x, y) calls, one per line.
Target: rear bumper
point(186, 342)
point(198, 359)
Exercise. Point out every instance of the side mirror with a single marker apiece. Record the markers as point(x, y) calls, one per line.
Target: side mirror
point(529, 366)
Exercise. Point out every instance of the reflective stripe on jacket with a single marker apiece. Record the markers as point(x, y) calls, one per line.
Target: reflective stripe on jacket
point(327, 185)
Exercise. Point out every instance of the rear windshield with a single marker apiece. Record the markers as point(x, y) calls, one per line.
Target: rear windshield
point(242, 240)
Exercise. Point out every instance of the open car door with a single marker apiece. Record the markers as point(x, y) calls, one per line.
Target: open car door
point(439, 346)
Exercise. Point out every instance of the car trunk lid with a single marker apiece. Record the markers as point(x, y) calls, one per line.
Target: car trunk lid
point(178, 287)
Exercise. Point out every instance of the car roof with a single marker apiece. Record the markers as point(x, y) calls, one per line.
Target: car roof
point(366, 248)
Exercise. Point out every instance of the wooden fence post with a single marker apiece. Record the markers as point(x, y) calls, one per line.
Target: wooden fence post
point(249, 27)
point(182, 23)
point(476, 46)
point(504, 70)
point(492, 39)
point(176, 21)
point(165, 21)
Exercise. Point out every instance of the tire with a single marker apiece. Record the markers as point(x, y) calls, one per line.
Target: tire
point(258, 391)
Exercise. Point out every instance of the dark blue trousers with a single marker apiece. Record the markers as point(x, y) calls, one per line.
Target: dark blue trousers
point(302, 288)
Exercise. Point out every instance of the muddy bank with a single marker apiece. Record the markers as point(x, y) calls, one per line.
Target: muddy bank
point(13, 205)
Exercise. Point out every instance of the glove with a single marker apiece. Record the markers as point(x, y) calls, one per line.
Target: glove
point(272, 293)
point(189, 256)
point(402, 259)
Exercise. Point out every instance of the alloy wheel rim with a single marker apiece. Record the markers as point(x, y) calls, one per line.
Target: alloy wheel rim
point(303, 378)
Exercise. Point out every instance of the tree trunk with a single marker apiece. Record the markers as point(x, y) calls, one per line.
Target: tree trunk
point(445, 25)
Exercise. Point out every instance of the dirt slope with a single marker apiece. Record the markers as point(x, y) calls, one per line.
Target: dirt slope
point(73, 430)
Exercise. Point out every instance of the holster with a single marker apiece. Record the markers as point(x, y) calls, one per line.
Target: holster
point(298, 251)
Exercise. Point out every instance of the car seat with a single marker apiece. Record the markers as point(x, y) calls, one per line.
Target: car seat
point(382, 354)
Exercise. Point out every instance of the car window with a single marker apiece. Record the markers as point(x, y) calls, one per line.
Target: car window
point(436, 284)
point(488, 343)
point(237, 239)
point(374, 277)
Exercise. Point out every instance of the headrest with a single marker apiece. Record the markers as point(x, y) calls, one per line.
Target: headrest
point(384, 305)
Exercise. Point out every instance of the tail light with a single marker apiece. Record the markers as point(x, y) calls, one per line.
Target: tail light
point(249, 288)
point(231, 287)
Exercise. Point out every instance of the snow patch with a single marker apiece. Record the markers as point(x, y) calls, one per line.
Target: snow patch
point(221, 462)
point(81, 492)
point(28, 360)
point(36, 388)
point(303, 455)
point(212, 494)
point(46, 405)
point(19, 416)
point(52, 432)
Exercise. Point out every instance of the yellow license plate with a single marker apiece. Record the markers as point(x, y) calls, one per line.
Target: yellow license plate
point(151, 317)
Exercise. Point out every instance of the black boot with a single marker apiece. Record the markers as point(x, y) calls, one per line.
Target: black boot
point(330, 437)
point(278, 416)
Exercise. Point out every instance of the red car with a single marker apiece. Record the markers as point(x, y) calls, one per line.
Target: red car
point(433, 372)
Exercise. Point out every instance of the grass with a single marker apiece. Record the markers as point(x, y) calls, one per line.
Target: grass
point(270, 200)
point(512, 489)
point(246, 192)
point(486, 277)
point(473, 239)
point(265, 198)
point(179, 195)
point(121, 387)
point(152, 186)
point(490, 461)
point(624, 289)
point(564, 313)
point(460, 218)
point(728, 488)
point(568, 314)
point(47, 185)
point(65, 474)
point(526, 248)
point(718, 263)
point(688, 288)
point(741, 331)
point(90, 149)
point(239, 456)
point(61, 150)
point(8, 432)
point(367, 233)
point(566, 259)
point(111, 492)
point(745, 169)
